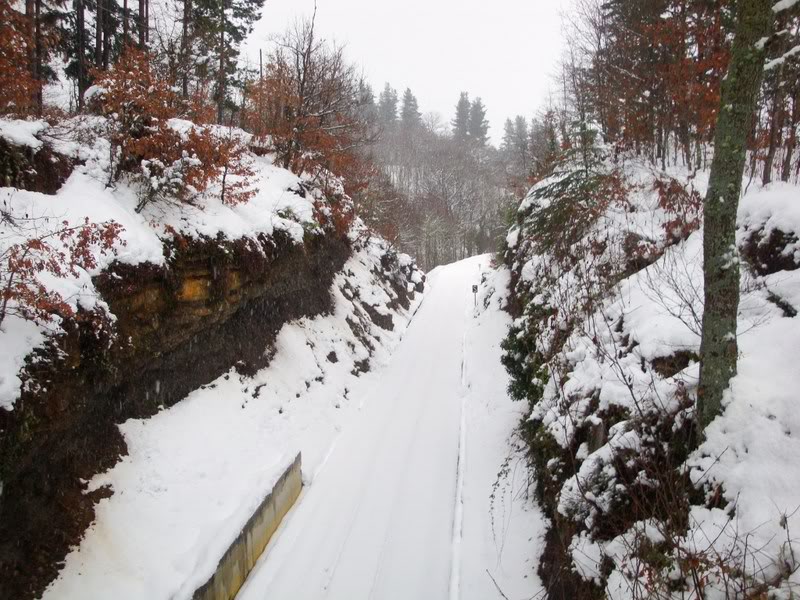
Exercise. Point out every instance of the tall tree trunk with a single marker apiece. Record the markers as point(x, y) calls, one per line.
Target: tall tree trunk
point(98, 34)
point(718, 349)
point(777, 114)
point(791, 141)
point(221, 74)
point(775, 129)
point(81, 43)
point(107, 35)
point(124, 24)
point(30, 14)
point(187, 17)
point(142, 24)
point(38, 54)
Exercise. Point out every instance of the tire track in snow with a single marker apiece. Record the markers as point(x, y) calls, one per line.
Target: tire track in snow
point(393, 509)
point(458, 511)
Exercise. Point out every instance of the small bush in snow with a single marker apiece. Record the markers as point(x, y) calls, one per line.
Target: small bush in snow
point(39, 250)
point(169, 160)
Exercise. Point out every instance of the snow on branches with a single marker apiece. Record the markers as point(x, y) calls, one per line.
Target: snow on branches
point(170, 159)
point(32, 250)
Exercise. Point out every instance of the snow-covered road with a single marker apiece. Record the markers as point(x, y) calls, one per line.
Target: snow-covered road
point(401, 508)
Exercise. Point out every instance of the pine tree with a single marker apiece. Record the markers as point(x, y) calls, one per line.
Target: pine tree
point(46, 25)
point(367, 108)
point(543, 145)
point(387, 107)
point(521, 141)
point(508, 136)
point(460, 122)
point(90, 48)
point(410, 117)
point(478, 126)
point(222, 26)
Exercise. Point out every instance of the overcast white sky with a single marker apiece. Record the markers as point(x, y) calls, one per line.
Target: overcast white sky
point(504, 51)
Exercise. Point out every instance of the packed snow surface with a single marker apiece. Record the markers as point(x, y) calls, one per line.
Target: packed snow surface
point(390, 460)
point(402, 508)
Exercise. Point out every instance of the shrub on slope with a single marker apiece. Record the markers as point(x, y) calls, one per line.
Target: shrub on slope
point(605, 350)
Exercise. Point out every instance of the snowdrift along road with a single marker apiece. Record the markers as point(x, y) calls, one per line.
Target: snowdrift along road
point(401, 508)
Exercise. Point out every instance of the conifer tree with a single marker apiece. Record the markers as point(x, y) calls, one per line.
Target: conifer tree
point(460, 122)
point(410, 117)
point(387, 107)
point(367, 108)
point(46, 23)
point(520, 139)
point(508, 136)
point(478, 126)
point(222, 26)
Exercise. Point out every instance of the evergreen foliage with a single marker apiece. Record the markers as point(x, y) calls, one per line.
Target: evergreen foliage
point(460, 122)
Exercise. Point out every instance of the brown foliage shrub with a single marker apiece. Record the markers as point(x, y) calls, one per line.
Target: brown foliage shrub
point(17, 87)
point(307, 107)
point(167, 163)
point(61, 252)
point(683, 208)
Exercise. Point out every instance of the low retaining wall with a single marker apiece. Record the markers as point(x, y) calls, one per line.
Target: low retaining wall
point(241, 557)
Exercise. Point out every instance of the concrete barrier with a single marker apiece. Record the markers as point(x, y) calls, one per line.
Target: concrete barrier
point(241, 557)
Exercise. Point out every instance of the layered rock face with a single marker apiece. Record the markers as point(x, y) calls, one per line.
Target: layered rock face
point(217, 304)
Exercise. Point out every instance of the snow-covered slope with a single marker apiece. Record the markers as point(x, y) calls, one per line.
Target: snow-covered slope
point(196, 290)
point(611, 375)
point(280, 203)
point(196, 472)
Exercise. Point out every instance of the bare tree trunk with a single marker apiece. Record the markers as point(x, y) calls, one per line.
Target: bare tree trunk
point(30, 14)
point(187, 16)
point(142, 24)
point(124, 24)
point(775, 130)
point(81, 53)
point(221, 74)
point(107, 35)
point(38, 53)
point(791, 141)
point(685, 143)
point(98, 35)
point(718, 349)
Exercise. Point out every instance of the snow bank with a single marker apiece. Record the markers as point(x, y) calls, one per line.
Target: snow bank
point(503, 531)
point(195, 472)
point(774, 208)
point(22, 133)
